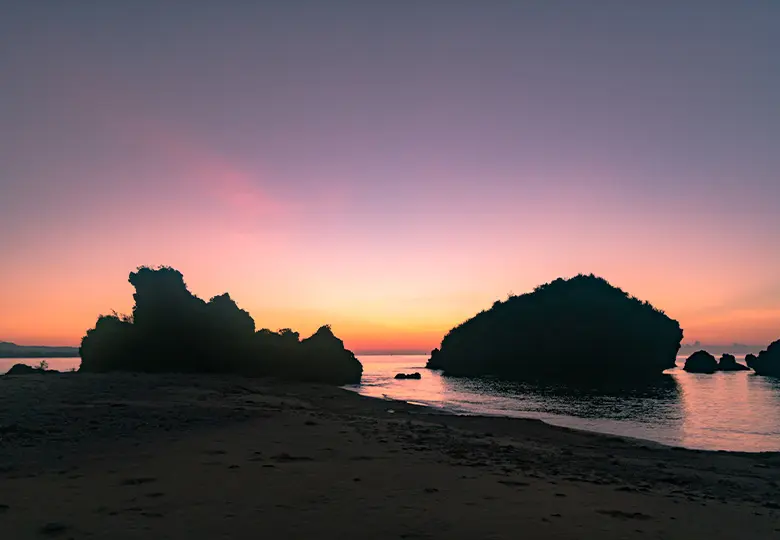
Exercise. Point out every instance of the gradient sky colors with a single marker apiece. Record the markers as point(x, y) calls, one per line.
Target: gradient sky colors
point(390, 169)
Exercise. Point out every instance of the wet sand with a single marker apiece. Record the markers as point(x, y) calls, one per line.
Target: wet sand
point(149, 456)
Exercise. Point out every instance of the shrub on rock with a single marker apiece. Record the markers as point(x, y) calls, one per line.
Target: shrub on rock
point(172, 330)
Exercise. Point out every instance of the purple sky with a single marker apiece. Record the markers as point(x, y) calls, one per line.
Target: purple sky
point(390, 169)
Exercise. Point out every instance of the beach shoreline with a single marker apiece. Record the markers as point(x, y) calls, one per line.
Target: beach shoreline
point(175, 456)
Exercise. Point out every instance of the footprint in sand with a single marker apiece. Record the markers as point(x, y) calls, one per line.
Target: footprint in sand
point(287, 458)
point(138, 481)
point(52, 529)
point(620, 514)
point(515, 483)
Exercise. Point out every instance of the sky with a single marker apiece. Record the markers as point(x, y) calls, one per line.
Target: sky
point(389, 168)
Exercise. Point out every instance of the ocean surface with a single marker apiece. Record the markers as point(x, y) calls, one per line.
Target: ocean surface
point(737, 411)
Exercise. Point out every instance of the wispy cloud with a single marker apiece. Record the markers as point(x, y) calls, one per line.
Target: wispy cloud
point(206, 171)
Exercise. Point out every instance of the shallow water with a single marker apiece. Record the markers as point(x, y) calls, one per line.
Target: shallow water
point(58, 364)
point(724, 411)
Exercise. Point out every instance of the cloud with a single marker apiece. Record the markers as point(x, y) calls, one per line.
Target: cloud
point(209, 173)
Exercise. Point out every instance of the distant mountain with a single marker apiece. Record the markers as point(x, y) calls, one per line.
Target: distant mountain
point(12, 350)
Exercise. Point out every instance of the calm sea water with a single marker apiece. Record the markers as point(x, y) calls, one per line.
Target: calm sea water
point(59, 364)
point(724, 411)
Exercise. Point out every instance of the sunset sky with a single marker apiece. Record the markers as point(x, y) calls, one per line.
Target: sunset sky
point(389, 168)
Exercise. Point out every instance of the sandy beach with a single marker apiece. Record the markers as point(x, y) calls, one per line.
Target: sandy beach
point(153, 456)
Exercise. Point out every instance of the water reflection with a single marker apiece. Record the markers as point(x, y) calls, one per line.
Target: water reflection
point(725, 411)
point(57, 364)
point(733, 410)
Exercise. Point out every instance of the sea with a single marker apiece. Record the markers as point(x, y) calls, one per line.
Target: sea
point(733, 411)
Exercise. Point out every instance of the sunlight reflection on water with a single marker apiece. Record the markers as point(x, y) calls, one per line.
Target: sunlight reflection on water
point(724, 411)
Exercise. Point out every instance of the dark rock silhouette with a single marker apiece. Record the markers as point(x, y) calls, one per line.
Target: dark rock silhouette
point(23, 369)
point(342, 366)
point(567, 329)
point(172, 330)
point(750, 360)
point(768, 361)
point(414, 375)
point(701, 362)
point(433, 362)
point(111, 346)
point(728, 362)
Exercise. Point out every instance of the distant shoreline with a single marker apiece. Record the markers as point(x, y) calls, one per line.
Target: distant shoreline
point(38, 355)
point(12, 350)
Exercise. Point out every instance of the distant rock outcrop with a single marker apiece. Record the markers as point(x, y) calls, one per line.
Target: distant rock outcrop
point(750, 360)
point(24, 369)
point(767, 362)
point(172, 330)
point(577, 329)
point(728, 362)
point(414, 375)
point(433, 361)
point(701, 362)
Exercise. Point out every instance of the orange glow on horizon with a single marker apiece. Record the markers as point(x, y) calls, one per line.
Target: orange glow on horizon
point(417, 328)
point(304, 263)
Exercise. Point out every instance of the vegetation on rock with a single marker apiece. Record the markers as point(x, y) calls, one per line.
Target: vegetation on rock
point(581, 327)
point(172, 330)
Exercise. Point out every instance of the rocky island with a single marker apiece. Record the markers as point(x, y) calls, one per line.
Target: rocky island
point(172, 330)
point(728, 362)
point(576, 328)
point(701, 362)
point(767, 362)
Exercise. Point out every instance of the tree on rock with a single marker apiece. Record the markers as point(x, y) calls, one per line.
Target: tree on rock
point(172, 330)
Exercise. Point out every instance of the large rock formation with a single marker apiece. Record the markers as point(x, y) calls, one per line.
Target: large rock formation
point(172, 330)
point(323, 358)
point(567, 329)
point(767, 362)
point(701, 362)
point(728, 362)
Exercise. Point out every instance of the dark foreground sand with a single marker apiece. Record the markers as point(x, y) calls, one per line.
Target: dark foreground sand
point(135, 456)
